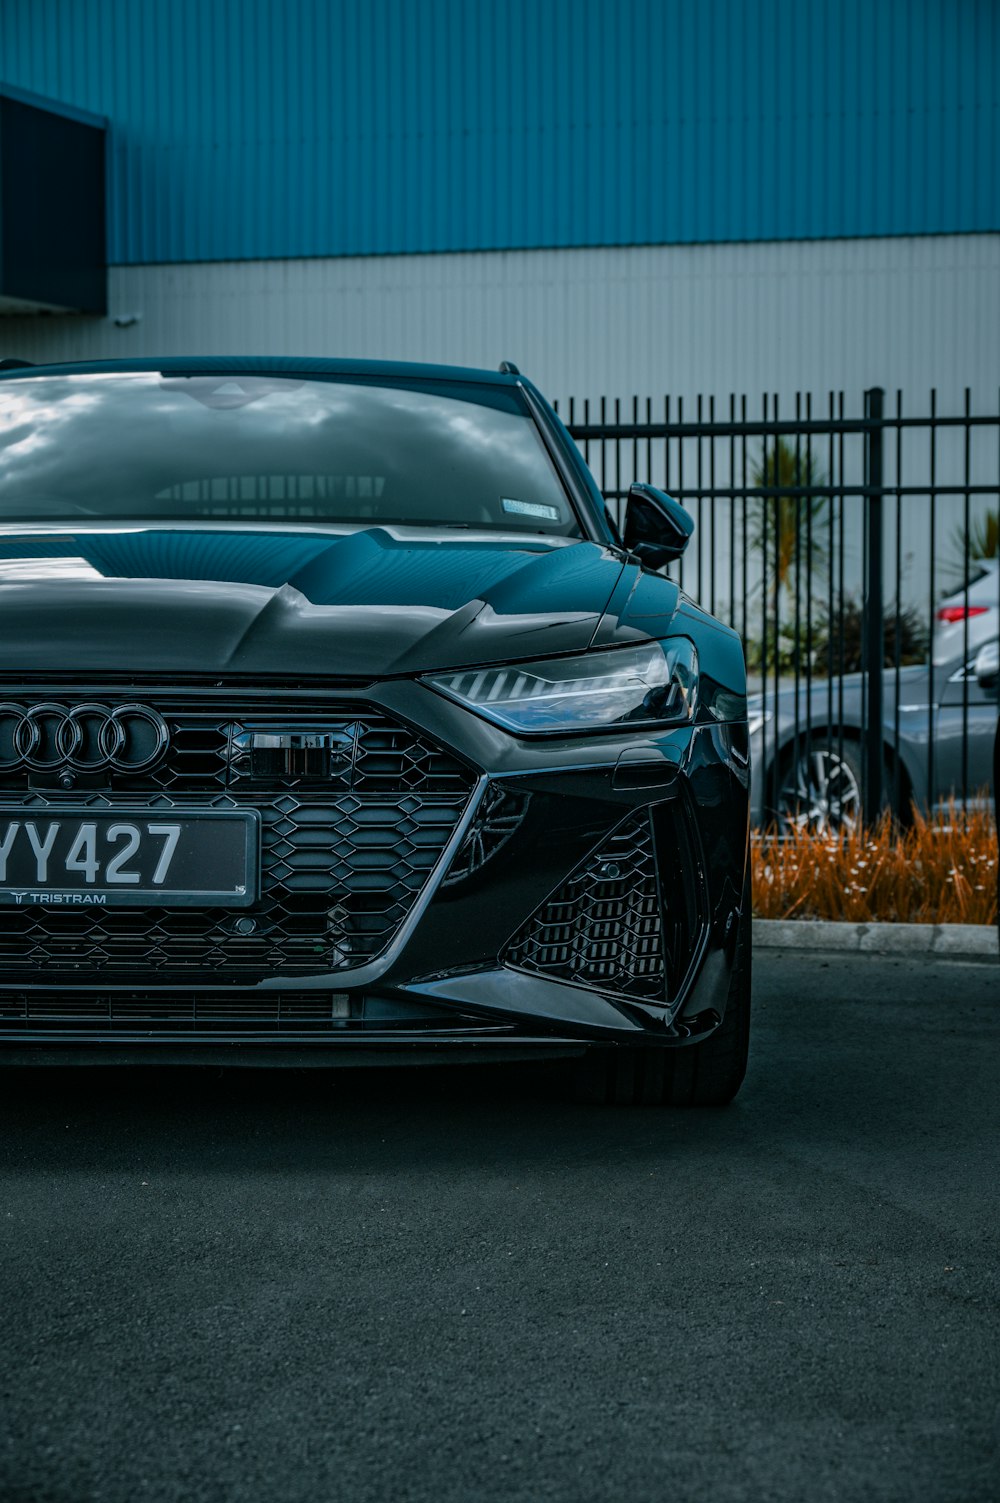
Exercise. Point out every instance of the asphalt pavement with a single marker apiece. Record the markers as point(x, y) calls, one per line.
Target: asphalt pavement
point(461, 1286)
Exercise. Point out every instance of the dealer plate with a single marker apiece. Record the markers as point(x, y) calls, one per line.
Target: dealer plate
point(129, 857)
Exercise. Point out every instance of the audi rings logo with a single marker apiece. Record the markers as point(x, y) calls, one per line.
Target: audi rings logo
point(82, 738)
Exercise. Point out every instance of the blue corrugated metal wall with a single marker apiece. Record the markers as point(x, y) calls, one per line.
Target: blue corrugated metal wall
point(276, 128)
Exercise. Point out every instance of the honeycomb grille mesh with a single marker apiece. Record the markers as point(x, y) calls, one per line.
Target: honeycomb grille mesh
point(357, 748)
point(338, 879)
point(368, 754)
point(350, 835)
point(604, 927)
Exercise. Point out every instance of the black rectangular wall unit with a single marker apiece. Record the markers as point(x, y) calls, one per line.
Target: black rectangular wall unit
point(53, 253)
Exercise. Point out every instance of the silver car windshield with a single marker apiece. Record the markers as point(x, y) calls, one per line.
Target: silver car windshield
point(165, 447)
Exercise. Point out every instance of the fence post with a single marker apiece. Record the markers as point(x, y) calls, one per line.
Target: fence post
point(873, 643)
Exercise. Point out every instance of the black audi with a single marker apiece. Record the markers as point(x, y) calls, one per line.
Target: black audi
point(339, 723)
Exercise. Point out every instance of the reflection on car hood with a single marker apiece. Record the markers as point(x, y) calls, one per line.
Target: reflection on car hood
point(354, 603)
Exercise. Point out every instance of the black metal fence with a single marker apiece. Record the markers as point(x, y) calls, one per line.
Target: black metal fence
point(857, 552)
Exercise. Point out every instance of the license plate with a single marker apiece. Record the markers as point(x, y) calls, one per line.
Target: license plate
point(78, 857)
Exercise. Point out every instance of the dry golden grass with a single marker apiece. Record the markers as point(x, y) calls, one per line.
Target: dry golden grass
point(935, 871)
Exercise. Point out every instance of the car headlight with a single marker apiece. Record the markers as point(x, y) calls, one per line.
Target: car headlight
point(622, 689)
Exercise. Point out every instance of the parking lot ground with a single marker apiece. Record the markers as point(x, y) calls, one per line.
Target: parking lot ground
point(461, 1286)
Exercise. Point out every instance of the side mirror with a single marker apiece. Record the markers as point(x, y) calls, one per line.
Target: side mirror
point(987, 666)
point(657, 528)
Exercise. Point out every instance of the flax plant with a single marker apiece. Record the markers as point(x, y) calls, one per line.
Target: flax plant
point(788, 527)
point(983, 541)
point(788, 532)
point(936, 870)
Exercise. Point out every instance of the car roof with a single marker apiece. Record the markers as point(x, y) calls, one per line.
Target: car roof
point(300, 365)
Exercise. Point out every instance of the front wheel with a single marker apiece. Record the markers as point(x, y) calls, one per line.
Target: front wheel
point(705, 1074)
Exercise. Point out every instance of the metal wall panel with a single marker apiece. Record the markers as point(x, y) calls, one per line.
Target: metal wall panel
point(247, 129)
point(776, 317)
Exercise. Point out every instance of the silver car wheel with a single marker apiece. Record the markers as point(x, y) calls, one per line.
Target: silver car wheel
point(820, 793)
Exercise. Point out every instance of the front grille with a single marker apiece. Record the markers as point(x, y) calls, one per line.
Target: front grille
point(356, 810)
point(270, 744)
point(141, 1010)
point(148, 1015)
point(604, 927)
point(344, 752)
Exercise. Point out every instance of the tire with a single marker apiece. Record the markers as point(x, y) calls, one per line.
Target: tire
point(819, 787)
point(705, 1074)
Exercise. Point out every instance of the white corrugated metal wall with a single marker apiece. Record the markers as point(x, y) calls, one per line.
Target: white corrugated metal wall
point(905, 312)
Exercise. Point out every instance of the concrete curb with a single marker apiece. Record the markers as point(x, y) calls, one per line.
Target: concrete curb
point(977, 942)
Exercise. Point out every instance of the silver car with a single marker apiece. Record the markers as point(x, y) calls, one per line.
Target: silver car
point(938, 739)
point(975, 610)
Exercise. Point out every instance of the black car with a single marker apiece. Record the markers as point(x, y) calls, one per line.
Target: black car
point(338, 722)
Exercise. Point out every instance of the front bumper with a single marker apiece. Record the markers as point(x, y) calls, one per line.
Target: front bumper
point(589, 892)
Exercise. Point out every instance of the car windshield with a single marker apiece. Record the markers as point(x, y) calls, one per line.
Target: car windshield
point(167, 447)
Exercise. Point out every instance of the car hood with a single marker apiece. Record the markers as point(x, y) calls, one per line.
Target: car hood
point(357, 603)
